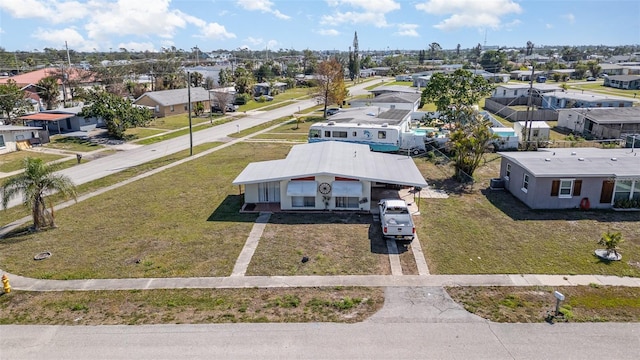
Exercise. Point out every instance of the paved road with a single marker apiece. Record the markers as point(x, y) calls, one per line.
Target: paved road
point(122, 160)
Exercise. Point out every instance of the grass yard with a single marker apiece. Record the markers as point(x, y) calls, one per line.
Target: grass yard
point(532, 304)
point(13, 161)
point(336, 244)
point(190, 306)
point(599, 88)
point(141, 132)
point(176, 122)
point(193, 229)
point(490, 232)
point(72, 144)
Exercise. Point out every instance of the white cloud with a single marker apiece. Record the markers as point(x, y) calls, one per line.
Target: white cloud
point(470, 13)
point(54, 11)
point(1, 31)
point(271, 44)
point(407, 30)
point(57, 37)
point(265, 6)
point(548, 26)
point(137, 46)
point(215, 31)
point(377, 19)
point(254, 41)
point(328, 32)
point(569, 17)
point(381, 6)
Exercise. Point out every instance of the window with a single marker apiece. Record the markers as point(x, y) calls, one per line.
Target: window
point(622, 190)
point(347, 203)
point(354, 134)
point(314, 133)
point(508, 171)
point(327, 133)
point(382, 134)
point(186, 107)
point(303, 201)
point(171, 108)
point(504, 92)
point(515, 93)
point(339, 134)
point(525, 183)
point(566, 188)
point(536, 132)
point(2, 145)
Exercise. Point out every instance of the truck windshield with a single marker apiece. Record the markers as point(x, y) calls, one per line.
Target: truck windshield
point(396, 210)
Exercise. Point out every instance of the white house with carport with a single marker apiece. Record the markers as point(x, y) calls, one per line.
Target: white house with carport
point(570, 178)
point(601, 123)
point(328, 175)
point(573, 99)
point(13, 138)
point(518, 90)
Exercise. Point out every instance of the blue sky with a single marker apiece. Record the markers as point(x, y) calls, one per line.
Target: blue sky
point(140, 25)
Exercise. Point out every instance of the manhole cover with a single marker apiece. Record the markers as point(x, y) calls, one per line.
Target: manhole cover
point(42, 255)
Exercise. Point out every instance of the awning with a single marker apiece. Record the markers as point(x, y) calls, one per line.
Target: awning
point(302, 188)
point(46, 117)
point(347, 188)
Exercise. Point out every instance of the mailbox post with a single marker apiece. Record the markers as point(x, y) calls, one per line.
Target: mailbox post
point(559, 297)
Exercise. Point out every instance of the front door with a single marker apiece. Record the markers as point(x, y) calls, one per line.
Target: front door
point(269, 192)
point(607, 192)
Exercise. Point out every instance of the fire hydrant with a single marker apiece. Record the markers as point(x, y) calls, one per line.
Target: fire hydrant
point(5, 284)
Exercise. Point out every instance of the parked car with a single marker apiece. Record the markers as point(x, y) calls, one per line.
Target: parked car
point(263, 98)
point(396, 220)
point(591, 78)
point(332, 111)
point(228, 108)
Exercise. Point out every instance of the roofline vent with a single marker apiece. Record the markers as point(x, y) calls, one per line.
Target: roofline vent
point(614, 159)
point(385, 125)
point(331, 123)
point(573, 153)
point(547, 159)
point(580, 159)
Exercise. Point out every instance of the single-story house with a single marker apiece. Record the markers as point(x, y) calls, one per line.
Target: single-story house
point(266, 88)
point(403, 101)
point(611, 69)
point(13, 138)
point(384, 89)
point(538, 130)
point(365, 73)
point(573, 99)
point(524, 75)
point(174, 102)
point(630, 82)
point(569, 178)
point(601, 123)
point(516, 90)
point(328, 175)
point(62, 120)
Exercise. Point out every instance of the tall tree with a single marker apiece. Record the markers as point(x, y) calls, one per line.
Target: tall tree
point(530, 46)
point(49, 91)
point(224, 77)
point(454, 93)
point(309, 62)
point(354, 59)
point(35, 184)
point(458, 51)
point(118, 113)
point(331, 88)
point(493, 61)
point(197, 79)
point(421, 57)
point(434, 50)
point(13, 100)
point(244, 81)
point(468, 143)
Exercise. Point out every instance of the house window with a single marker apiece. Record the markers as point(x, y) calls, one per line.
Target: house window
point(303, 201)
point(347, 202)
point(504, 92)
point(314, 133)
point(536, 133)
point(327, 133)
point(186, 107)
point(515, 93)
point(339, 134)
point(355, 134)
point(525, 183)
point(508, 171)
point(382, 134)
point(623, 190)
point(566, 188)
point(171, 108)
point(2, 145)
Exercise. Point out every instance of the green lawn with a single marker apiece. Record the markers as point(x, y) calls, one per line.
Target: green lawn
point(599, 88)
point(193, 229)
point(72, 144)
point(490, 232)
point(14, 160)
point(176, 122)
point(141, 132)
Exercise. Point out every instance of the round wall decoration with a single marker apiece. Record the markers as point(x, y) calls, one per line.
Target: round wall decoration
point(324, 188)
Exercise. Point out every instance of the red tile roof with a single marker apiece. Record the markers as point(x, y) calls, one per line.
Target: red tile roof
point(34, 76)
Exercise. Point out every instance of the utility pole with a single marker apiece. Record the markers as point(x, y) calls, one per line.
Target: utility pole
point(189, 109)
point(526, 136)
point(68, 57)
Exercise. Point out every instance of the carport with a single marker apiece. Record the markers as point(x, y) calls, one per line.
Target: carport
point(46, 119)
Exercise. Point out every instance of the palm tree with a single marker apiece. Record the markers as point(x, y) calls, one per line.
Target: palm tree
point(611, 241)
point(36, 183)
point(49, 91)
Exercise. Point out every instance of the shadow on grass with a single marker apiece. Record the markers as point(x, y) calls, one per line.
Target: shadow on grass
point(229, 211)
point(516, 210)
point(17, 235)
point(84, 141)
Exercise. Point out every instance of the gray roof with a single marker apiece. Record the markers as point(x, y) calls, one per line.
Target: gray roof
point(396, 98)
point(612, 115)
point(395, 88)
point(335, 158)
point(539, 87)
point(623, 77)
point(176, 96)
point(371, 115)
point(566, 162)
point(585, 96)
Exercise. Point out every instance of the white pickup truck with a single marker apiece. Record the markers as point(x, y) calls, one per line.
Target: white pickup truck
point(396, 220)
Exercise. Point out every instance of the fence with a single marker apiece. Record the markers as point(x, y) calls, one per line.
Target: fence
point(518, 115)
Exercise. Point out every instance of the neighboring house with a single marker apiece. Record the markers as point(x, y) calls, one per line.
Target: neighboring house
point(385, 89)
point(601, 123)
point(570, 178)
point(403, 78)
point(13, 138)
point(630, 82)
point(570, 99)
point(327, 175)
point(365, 73)
point(516, 90)
point(538, 130)
point(567, 73)
point(173, 102)
point(383, 70)
point(632, 70)
point(62, 120)
point(265, 88)
point(524, 75)
point(402, 101)
point(611, 69)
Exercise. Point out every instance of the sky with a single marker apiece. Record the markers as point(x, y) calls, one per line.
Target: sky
point(140, 25)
